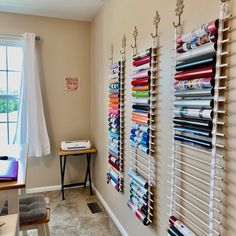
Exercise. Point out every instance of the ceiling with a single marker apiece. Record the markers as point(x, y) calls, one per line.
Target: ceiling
point(66, 9)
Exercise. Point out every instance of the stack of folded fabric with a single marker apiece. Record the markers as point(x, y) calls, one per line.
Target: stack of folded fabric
point(194, 85)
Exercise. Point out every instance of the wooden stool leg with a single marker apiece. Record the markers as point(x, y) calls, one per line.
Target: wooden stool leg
point(46, 228)
point(41, 230)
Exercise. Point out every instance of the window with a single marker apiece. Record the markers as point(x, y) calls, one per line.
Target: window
point(11, 57)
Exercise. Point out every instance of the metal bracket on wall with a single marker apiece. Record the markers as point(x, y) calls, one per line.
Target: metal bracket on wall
point(122, 52)
point(134, 47)
point(110, 58)
point(178, 12)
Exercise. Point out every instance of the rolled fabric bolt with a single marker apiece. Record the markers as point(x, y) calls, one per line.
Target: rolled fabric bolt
point(141, 88)
point(141, 107)
point(115, 70)
point(142, 61)
point(196, 64)
point(114, 120)
point(208, 71)
point(112, 91)
point(139, 140)
point(139, 133)
point(194, 103)
point(114, 159)
point(115, 95)
point(138, 192)
point(115, 65)
point(115, 150)
point(141, 100)
point(113, 178)
point(144, 81)
point(114, 165)
point(194, 113)
point(138, 202)
point(139, 195)
point(114, 99)
point(114, 146)
point(113, 154)
point(116, 131)
point(114, 140)
point(114, 86)
point(138, 178)
point(195, 93)
point(183, 229)
point(114, 102)
point(115, 76)
point(140, 111)
point(136, 115)
point(116, 186)
point(143, 128)
point(197, 42)
point(208, 49)
point(141, 74)
point(146, 66)
point(114, 125)
point(173, 231)
point(205, 133)
point(115, 174)
point(142, 217)
point(114, 111)
point(201, 83)
point(115, 80)
point(116, 107)
point(140, 121)
point(211, 27)
point(114, 135)
point(113, 115)
point(147, 52)
point(193, 122)
point(135, 184)
point(187, 139)
point(141, 94)
point(140, 114)
point(140, 147)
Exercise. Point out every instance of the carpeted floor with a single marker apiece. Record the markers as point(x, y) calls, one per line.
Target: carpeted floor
point(72, 217)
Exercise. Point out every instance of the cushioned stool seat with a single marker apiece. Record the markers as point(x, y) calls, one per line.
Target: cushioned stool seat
point(31, 208)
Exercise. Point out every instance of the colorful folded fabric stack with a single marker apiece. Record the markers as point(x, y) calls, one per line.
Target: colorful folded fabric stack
point(115, 120)
point(194, 85)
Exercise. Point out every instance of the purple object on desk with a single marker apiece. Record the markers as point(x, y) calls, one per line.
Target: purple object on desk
point(8, 170)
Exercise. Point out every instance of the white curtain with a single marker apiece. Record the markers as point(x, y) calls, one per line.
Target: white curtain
point(31, 127)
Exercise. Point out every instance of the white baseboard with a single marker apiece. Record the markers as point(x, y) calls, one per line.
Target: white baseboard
point(49, 188)
point(110, 212)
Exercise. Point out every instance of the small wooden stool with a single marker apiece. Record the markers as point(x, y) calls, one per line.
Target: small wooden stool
point(41, 224)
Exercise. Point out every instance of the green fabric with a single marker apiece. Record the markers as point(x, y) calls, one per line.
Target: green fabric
point(140, 94)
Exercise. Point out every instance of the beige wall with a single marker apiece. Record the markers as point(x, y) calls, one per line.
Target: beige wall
point(64, 49)
point(115, 19)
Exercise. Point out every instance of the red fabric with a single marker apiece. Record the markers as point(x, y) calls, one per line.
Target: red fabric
point(143, 81)
point(208, 71)
point(142, 61)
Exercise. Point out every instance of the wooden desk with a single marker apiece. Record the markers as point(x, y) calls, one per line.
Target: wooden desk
point(10, 190)
point(10, 227)
point(63, 156)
